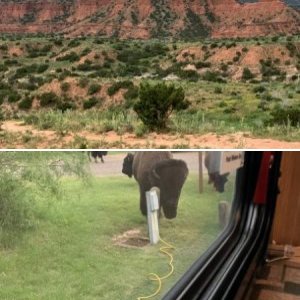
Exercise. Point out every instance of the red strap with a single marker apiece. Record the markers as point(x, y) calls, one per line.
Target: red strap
point(260, 196)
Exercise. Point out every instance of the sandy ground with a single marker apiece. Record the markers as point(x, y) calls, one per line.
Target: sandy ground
point(113, 163)
point(49, 139)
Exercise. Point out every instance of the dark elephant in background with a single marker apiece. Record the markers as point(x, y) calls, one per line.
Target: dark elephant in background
point(157, 169)
point(211, 163)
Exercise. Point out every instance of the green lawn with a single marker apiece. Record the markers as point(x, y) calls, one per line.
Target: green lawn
point(70, 253)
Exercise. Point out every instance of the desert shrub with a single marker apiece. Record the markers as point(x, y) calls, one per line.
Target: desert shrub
point(224, 67)
point(71, 57)
point(212, 76)
point(25, 103)
point(5, 92)
point(94, 88)
point(4, 47)
point(74, 43)
point(132, 93)
point(259, 89)
point(90, 103)
point(48, 99)
point(14, 97)
point(247, 74)
point(85, 51)
point(65, 105)
point(11, 62)
point(115, 87)
point(202, 64)
point(157, 102)
point(129, 70)
point(292, 48)
point(30, 69)
point(86, 66)
point(58, 42)
point(268, 69)
point(286, 116)
point(130, 96)
point(64, 74)
point(42, 68)
point(65, 86)
point(83, 82)
point(3, 68)
point(133, 55)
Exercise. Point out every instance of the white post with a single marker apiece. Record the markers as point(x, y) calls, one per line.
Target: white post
point(152, 215)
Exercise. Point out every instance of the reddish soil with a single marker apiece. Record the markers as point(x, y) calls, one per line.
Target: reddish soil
point(50, 139)
point(110, 17)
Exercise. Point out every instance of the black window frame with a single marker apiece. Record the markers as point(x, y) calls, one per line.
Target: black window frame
point(222, 272)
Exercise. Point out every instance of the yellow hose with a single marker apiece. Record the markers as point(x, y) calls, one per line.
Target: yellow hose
point(155, 277)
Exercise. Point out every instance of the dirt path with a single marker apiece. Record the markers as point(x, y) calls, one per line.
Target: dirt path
point(12, 136)
point(113, 163)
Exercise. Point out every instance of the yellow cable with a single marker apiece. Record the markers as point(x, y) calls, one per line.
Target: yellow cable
point(157, 278)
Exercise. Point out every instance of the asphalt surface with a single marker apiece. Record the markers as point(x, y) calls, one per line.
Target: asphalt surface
point(114, 161)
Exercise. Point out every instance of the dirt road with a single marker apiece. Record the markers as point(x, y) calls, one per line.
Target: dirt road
point(14, 134)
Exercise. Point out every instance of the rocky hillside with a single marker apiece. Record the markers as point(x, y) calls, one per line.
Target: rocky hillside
point(150, 18)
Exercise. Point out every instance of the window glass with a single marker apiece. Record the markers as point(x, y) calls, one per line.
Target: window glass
point(85, 237)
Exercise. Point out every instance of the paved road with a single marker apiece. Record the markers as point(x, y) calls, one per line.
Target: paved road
point(113, 163)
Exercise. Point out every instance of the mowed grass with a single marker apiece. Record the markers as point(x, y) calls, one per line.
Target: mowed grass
point(70, 253)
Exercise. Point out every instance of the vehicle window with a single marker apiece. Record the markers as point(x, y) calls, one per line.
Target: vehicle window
point(87, 237)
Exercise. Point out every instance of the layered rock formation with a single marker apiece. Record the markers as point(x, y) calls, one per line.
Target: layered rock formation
point(150, 18)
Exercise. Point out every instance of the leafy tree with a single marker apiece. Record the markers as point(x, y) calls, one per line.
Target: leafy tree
point(30, 182)
point(157, 102)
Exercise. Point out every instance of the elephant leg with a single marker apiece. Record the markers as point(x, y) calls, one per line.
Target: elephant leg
point(143, 202)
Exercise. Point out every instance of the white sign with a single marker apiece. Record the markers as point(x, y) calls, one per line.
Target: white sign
point(231, 161)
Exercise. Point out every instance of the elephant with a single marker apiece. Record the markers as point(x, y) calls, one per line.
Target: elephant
point(214, 177)
point(157, 169)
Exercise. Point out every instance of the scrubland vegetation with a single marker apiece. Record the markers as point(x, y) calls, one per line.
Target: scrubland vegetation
point(85, 83)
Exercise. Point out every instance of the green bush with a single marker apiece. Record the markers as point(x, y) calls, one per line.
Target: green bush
point(71, 57)
point(259, 89)
point(286, 116)
point(247, 74)
point(115, 87)
point(157, 102)
point(14, 97)
point(94, 88)
point(65, 105)
point(48, 99)
point(213, 76)
point(202, 64)
point(65, 86)
point(90, 103)
point(26, 103)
